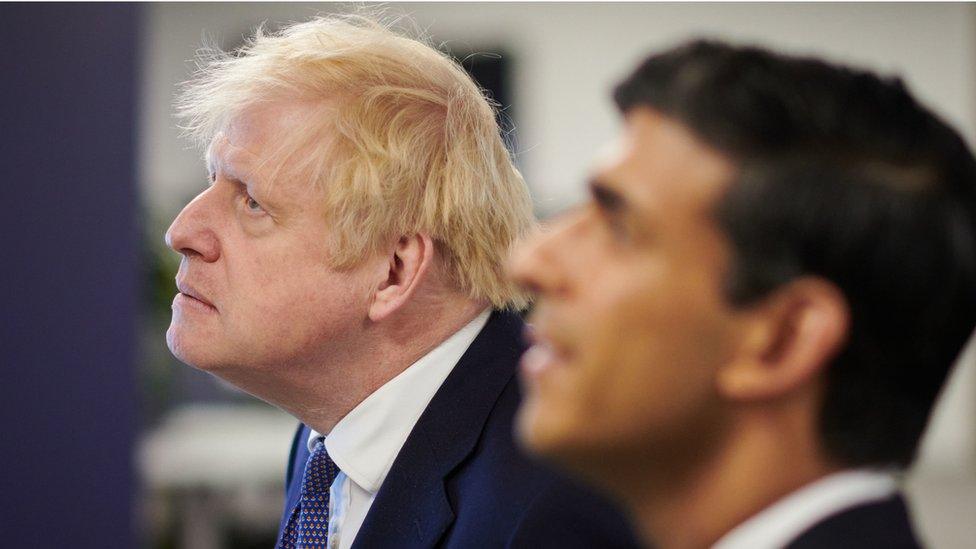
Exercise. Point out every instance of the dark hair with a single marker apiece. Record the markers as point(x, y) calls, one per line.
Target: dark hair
point(842, 175)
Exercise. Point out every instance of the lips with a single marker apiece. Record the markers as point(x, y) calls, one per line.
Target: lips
point(543, 357)
point(191, 292)
point(537, 360)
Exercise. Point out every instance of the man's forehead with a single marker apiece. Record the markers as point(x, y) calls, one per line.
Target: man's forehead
point(255, 143)
point(261, 125)
point(265, 130)
point(658, 159)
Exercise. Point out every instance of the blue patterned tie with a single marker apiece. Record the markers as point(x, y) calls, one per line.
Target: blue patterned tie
point(308, 525)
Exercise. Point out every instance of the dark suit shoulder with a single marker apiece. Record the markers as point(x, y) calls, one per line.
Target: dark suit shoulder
point(884, 523)
point(567, 515)
point(515, 501)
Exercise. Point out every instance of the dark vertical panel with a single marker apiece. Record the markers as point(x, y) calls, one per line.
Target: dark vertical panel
point(68, 273)
point(491, 70)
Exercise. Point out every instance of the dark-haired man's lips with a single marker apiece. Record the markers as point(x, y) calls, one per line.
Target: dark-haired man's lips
point(542, 357)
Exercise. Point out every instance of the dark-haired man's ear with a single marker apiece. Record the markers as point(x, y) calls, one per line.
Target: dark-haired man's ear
point(789, 340)
point(406, 265)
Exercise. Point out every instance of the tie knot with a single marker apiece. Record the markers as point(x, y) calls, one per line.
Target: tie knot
point(320, 472)
point(319, 447)
point(308, 525)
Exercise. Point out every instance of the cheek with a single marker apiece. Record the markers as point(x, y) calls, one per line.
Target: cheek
point(648, 355)
point(296, 303)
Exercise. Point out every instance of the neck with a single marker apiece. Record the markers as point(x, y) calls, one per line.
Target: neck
point(756, 466)
point(323, 393)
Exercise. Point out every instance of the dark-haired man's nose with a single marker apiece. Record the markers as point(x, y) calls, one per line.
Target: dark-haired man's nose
point(538, 263)
point(192, 232)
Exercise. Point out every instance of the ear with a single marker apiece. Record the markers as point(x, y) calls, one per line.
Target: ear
point(406, 268)
point(790, 339)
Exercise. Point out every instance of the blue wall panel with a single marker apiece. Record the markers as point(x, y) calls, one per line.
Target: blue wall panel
point(68, 268)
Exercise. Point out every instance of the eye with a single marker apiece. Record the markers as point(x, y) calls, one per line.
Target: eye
point(252, 205)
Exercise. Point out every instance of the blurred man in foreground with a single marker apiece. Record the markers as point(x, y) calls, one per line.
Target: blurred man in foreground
point(344, 265)
point(743, 332)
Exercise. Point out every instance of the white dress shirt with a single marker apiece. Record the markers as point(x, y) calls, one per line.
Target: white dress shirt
point(366, 441)
point(784, 521)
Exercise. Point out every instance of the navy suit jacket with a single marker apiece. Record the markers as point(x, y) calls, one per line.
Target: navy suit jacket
point(873, 525)
point(460, 481)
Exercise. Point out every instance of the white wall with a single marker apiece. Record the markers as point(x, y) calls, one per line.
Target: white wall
point(566, 57)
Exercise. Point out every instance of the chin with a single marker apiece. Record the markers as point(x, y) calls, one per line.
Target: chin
point(541, 431)
point(560, 437)
point(191, 350)
point(562, 444)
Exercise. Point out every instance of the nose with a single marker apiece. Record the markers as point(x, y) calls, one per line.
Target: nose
point(538, 263)
point(192, 232)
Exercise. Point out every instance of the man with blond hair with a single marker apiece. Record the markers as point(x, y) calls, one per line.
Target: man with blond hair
point(344, 265)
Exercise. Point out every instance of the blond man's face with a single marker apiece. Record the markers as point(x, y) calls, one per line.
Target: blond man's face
point(630, 323)
point(256, 287)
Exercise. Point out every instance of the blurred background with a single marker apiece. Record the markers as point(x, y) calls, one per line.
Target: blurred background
point(142, 451)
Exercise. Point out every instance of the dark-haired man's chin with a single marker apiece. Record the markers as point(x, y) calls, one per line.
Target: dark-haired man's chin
point(561, 443)
point(542, 433)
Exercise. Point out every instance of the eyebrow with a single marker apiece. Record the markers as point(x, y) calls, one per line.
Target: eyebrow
point(228, 169)
point(208, 159)
point(211, 168)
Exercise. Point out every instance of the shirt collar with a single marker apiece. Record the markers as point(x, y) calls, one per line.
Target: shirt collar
point(785, 520)
point(366, 441)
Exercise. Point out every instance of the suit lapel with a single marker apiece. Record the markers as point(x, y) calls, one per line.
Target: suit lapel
point(412, 508)
point(296, 468)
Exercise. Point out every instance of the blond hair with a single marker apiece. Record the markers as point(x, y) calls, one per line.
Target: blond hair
point(403, 141)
